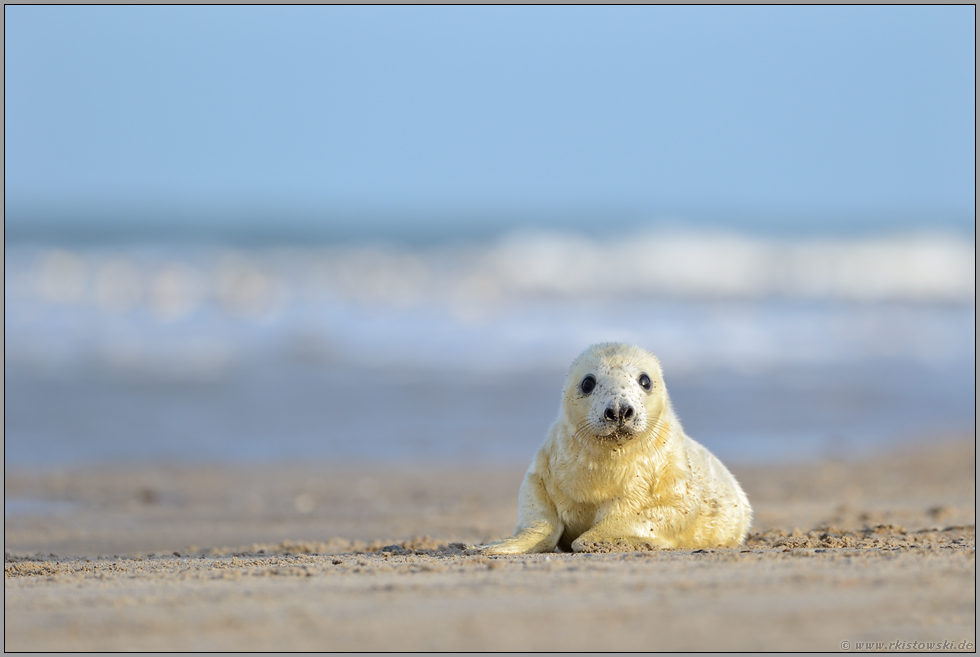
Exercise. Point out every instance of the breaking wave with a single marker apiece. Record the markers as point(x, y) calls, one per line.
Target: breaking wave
point(527, 300)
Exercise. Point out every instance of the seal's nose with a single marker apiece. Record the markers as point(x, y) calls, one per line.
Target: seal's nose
point(621, 413)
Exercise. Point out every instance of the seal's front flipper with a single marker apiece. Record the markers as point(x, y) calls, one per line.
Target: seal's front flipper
point(538, 525)
point(614, 534)
point(542, 536)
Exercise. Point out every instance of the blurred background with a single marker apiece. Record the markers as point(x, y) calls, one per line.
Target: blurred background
point(349, 233)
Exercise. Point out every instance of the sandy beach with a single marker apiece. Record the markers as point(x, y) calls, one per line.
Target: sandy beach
point(313, 557)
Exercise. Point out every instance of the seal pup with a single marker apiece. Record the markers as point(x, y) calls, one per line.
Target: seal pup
point(617, 469)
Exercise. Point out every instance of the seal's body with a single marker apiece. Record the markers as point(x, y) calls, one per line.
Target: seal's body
point(617, 469)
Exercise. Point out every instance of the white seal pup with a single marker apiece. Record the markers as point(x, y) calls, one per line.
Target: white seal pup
point(618, 470)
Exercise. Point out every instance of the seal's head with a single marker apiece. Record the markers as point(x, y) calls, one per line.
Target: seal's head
point(614, 393)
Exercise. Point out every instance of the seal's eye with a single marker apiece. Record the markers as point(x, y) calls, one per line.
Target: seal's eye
point(645, 382)
point(588, 384)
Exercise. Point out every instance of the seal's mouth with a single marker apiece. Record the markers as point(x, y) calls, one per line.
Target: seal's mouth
point(615, 436)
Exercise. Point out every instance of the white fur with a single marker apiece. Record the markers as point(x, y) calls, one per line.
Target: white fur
point(636, 484)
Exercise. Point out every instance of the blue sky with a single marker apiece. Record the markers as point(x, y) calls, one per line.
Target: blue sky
point(801, 116)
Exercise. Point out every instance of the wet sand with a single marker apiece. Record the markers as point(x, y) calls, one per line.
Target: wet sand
point(307, 557)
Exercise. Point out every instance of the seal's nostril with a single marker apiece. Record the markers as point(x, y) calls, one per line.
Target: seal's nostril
point(627, 413)
point(610, 414)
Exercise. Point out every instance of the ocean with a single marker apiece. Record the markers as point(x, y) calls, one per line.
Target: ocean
point(774, 348)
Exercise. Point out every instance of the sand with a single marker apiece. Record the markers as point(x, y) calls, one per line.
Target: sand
point(307, 557)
